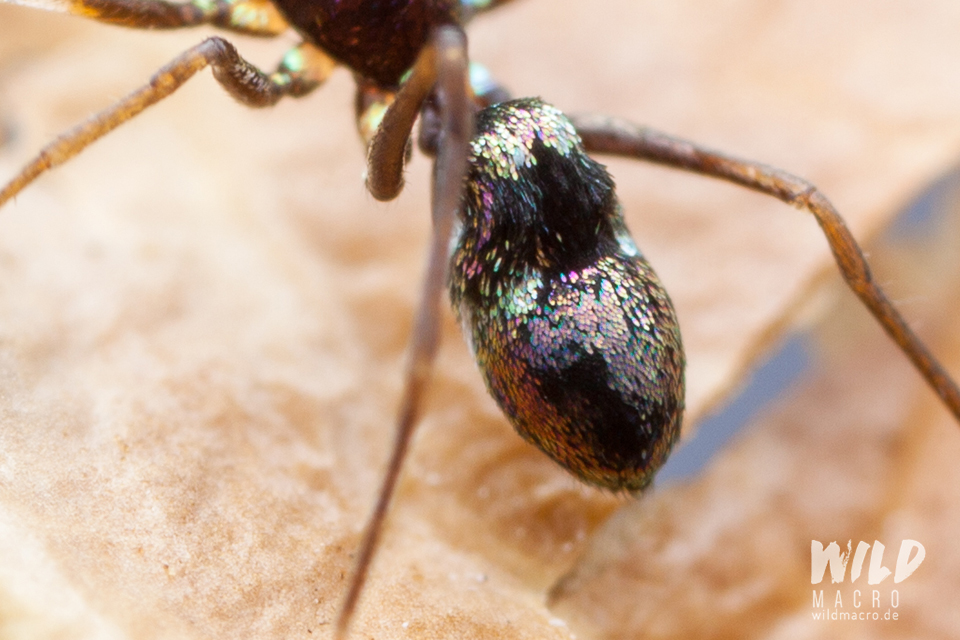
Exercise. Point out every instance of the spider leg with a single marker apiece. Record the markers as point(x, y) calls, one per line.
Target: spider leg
point(611, 136)
point(303, 69)
point(387, 150)
point(441, 67)
point(253, 17)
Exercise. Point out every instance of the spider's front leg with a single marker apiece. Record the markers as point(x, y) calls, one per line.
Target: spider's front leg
point(441, 68)
point(611, 136)
point(253, 17)
point(303, 68)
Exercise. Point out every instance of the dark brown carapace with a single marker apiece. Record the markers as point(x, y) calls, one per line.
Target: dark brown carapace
point(575, 337)
point(379, 45)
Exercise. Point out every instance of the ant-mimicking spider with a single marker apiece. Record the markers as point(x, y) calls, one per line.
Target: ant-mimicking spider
point(595, 139)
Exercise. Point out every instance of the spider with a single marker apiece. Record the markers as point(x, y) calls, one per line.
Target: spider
point(585, 129)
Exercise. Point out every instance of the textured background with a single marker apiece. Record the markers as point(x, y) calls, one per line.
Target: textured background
point(203, 322)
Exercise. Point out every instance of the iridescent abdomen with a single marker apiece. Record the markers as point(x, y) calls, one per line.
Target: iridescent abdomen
point(576, 338)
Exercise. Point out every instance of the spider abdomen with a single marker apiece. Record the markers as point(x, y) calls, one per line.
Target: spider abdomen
point(576, 338)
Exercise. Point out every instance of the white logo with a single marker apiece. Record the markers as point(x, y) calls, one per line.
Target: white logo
point(877, 573)
point(911, 555)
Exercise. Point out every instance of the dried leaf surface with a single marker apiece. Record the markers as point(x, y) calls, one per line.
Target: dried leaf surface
point(203, 319)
